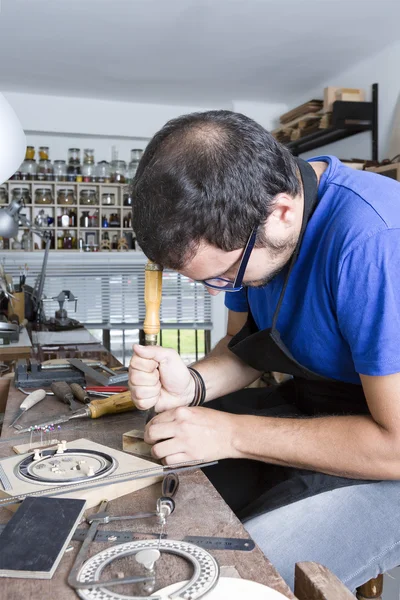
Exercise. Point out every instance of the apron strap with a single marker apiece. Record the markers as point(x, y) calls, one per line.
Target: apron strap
point(310, 199)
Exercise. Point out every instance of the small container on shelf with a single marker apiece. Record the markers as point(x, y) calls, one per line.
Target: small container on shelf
point(95, 218)
point(28, 170)
point(114, 220)
point(3, 196)
point(43, 196)
point(84, 219)
point(66, 197)
point(45, 170)
point(128, 199)
point(103, 172)
point(74, 165)
point(21, 195)
point(88, 167)
point(88, 197)
point(65, 220)
point(60, 170)
point(43, 219)
point(30, 153)
point(26, 241)
point(108, 199)
point(118, 171)
point(44, 153)
point(136, 154)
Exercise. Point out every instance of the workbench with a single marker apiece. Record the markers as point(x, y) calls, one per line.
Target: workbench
point(200, 510)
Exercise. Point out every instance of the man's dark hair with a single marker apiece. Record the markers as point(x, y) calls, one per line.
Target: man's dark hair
point(211, 177)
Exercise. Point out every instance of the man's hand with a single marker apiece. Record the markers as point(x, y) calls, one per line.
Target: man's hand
point(158, 377)
point(198, 433)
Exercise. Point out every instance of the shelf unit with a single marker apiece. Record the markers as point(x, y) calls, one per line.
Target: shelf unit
point(88, 234)
point(348, 119)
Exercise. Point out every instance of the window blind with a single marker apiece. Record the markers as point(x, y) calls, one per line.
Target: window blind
point(110, 288)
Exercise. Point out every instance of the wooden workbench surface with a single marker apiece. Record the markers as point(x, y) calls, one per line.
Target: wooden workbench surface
point(199, 511)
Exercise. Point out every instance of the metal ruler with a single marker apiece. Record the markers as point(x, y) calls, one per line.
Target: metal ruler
point(221, 543)
point(157, 471)
point(208, 543)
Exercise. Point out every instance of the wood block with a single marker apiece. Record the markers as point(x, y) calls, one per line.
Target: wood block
point(45, 523)
point(133, 442)
point(316, 582)
point(125, 463)
point(26, 448)
point(350, 95)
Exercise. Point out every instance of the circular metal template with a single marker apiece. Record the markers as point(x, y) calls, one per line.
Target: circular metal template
point(72, 466)
point(205, 575)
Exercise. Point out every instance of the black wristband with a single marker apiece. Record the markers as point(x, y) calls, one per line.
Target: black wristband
point(200, 388)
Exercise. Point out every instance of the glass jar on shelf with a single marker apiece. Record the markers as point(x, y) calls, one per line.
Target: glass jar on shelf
point(44, 153)
point(43, 196)
point(60, 170)
point(88, 197)
point(136, 155)
point(21, 195)
point(3, 196)
point(28, 169)
point(88, 167)
point(66, 197)
point(108, 199)
point(118, 171)
point(26, 241)
point(45, 170)
point(103, 172)
point(30, 153)
point(74, 165)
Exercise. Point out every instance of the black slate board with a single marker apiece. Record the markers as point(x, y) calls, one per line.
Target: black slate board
point(34, 540)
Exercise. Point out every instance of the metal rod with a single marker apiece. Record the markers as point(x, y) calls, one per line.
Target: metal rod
point(142, 474)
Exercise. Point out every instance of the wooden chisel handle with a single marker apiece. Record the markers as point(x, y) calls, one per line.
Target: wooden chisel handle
point(112, 405)
point(79, 393)
point(152, 300)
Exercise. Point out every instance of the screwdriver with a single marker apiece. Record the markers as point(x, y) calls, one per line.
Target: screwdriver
point(95, 409)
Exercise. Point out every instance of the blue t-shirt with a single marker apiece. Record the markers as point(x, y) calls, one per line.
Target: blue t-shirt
point(341, 311)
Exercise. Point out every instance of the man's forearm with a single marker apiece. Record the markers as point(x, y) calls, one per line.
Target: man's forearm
point(349, 446)
point(223, 372)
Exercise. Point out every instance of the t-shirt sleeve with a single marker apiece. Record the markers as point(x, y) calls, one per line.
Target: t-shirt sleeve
point(237, 301)
point(368, 303)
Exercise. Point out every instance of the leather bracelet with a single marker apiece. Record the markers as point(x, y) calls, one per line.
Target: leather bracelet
point(200, 388)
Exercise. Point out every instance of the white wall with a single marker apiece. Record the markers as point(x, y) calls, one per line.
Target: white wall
point(383, 69)
point(65, 122)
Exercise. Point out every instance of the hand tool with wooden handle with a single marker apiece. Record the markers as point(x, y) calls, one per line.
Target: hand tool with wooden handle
point(79, 393)
point(95, 409)
point(28, 402)
point(63, 392)
point(152, 300)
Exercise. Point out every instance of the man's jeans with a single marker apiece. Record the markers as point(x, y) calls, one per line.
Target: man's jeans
point(354, 531)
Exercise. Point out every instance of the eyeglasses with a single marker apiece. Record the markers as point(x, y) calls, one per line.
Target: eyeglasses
point(227, 285)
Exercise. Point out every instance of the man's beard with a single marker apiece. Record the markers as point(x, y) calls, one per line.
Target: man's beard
point(283, 253)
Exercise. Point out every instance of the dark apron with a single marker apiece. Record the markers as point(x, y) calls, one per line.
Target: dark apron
point(252, 487)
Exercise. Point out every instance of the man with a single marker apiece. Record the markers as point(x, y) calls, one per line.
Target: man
point(311, 250)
